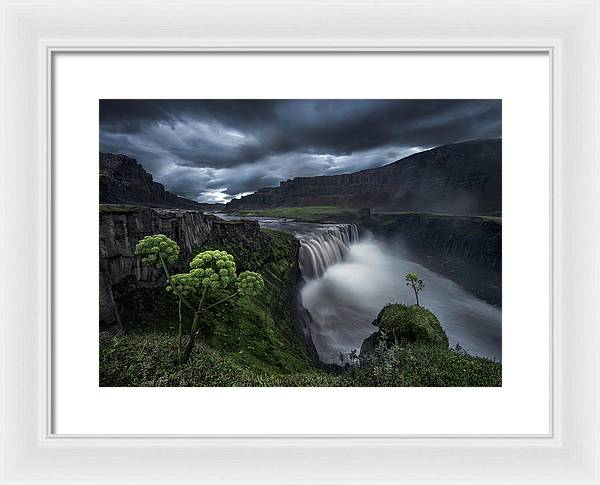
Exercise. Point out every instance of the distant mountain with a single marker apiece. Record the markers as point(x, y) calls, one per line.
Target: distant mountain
point(124, 181)
point(458, 178)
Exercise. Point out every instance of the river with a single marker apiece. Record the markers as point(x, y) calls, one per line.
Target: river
point(349, 277)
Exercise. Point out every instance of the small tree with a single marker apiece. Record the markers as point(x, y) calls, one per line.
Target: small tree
point(212, 273)
point(412, 279)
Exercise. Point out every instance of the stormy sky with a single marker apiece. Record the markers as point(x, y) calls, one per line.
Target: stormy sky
point(214, 150)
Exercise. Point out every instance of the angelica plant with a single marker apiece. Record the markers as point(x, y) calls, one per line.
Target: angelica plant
point(211, 273)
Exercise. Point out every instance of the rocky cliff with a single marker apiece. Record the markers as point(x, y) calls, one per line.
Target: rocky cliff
point(121, 274)
point(465, 249)
point(124, 181)
point(461, 178)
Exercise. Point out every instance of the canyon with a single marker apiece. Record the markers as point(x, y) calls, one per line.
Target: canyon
point(459, 178)
point(435, 212)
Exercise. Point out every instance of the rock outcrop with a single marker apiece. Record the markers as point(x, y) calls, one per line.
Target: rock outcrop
point(402, 324)
point(465, 249)
point(474, 239)
point(122, 275)
point(459, 178)
point(124, 181)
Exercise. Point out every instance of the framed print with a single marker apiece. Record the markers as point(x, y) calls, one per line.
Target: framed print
point(242, 237)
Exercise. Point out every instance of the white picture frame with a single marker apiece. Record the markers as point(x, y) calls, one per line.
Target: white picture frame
point(33, 31)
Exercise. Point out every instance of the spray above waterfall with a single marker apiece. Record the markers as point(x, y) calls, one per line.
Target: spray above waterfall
point(349, 277)
point(327, 245)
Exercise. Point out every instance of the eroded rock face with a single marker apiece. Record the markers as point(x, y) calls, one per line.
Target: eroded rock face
point(124, 181)
point(121, 274)
point(461, 178)
point(474, 239)
point(465, 249)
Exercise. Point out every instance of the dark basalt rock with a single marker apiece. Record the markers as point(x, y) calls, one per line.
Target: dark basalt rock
point(126, 284)
point(124, 181)
point(465, 249)
point(459, 178)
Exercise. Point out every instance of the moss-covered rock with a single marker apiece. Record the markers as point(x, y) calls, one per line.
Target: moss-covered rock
point(411, 324)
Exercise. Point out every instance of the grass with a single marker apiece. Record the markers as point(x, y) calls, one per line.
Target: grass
point(118, 209)
point(340, 214)
point(303, 214)
point(389, 217)
point(254, 342)
point(147, 360)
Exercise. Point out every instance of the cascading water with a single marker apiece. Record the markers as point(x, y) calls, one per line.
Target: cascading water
point(346, 298)
point(325, 247)
point(348, 279)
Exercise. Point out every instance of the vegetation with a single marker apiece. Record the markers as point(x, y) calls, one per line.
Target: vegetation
point(212, 272)
point(304, 214)
point(257, 331)
point(423, 365)
point(331, 213)
point(413, 280)
point(148, 360)
point(118, 209)
point(410, 324)
point(252, 340)
point(390, 217)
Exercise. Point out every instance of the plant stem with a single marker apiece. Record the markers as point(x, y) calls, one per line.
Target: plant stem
point(175, 290)
point(190, 344)
point(221, 301)
point(180, 336)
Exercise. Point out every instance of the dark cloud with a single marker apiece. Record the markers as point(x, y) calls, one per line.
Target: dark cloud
point(216, 149)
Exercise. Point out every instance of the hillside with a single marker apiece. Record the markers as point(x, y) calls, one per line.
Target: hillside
point(459, 178)
point(124, 181)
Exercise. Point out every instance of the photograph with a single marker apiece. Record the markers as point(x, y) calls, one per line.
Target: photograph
point(300, 242)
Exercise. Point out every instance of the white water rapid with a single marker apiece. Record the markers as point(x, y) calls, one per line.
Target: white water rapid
point(348, 279)
point(344, 297)
point(325, 247)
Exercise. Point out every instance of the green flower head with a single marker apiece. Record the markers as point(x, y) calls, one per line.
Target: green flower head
point(214, 269)
point(250, 283)
point(184, 284)
point(152, 248)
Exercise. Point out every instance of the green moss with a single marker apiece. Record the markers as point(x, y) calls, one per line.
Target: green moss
point(259, 331)
point(118, 209)
point(253, 341)
point(413, 324)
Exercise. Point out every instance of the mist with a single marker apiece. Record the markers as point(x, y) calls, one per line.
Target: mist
point(346, 299)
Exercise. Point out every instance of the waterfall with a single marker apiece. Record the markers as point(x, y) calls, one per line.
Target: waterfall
point(323, 248)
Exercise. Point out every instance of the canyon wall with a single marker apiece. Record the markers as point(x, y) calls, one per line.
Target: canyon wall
point(459, 178)
point(124, 181)
point(465, 249)
point(121, 274)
